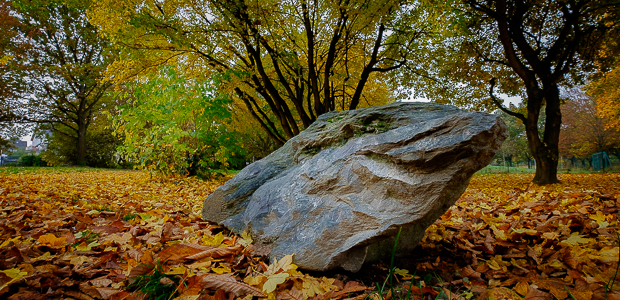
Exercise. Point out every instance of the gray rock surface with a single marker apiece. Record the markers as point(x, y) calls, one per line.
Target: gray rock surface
point(336, 194)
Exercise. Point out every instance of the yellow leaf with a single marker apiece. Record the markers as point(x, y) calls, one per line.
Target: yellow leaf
point(283, 264)
point(255, 280)
point(575, 239)
point(272, 282)
point(245, 239)
point(210, 240)
point(311, 287)
point(181, 270)
point(15, 274)
point(498, 232)
point(45, 257)
point(79, 260)
point(221, 270)
point(82, 247)
point(5, 243)
point(600, 219)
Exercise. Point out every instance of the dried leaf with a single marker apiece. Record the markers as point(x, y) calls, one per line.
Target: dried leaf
point(230, 284)
point(216, 252)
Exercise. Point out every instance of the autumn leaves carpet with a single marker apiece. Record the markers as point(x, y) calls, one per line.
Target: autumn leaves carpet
point(91, 234)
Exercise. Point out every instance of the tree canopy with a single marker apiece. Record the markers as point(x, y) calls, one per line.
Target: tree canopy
point(525, 48)
point(606, 89)
point(584, 131)
point(55, 79)
point(288, 61)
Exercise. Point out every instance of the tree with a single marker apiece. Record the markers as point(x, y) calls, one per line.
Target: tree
point(11, 84)
point(606, 90)
point(61, 68)
point(288, 62)
point(528, 48)
point(584, 132)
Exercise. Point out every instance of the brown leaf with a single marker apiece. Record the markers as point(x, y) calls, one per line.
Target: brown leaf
point(469, 272)
point(488, 242)
point(350, 288)
point(228, 283)
point(293, 294)
point(107, 292)
point(178, 251)
point(581, 294)
point(531, 253)
point(139, 270)
point(536, 294)
point(216, 252)
point(89, 290)
point(569, 259)
point(78, 295)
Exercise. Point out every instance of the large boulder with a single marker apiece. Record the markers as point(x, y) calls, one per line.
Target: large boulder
point(337, 194)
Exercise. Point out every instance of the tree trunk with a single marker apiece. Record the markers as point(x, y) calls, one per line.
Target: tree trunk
point(545, 151)
point(546, 170)
point(81, 142)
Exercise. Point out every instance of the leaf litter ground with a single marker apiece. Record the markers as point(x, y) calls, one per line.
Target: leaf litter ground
point(89, 235)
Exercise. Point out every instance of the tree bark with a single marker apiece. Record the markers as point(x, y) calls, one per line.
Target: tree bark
point(81, 141)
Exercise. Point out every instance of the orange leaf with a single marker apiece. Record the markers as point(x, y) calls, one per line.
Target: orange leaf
point(51, 240)
point(178, 251)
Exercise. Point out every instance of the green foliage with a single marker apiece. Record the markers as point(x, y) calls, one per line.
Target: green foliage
point(515, 148)
point(153, 286)
point(100, 148)
point(129, 217)
point(292, 60)
point(31, 161)
point(174, 125)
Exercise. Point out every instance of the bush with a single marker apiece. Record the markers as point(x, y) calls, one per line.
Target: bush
point(31, 161)
point(176, 125)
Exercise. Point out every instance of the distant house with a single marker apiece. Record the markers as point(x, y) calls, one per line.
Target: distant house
point(39, 140)
point(21, 144)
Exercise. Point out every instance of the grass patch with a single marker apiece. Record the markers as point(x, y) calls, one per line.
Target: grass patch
point(129, 217)
point(505, 170)
point(8, 170)
point(156, 285)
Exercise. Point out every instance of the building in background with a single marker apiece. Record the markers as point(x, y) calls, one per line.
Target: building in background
point(39, 141)
point(21, 144)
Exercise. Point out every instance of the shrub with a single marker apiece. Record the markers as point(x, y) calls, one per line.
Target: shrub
point(31, 161)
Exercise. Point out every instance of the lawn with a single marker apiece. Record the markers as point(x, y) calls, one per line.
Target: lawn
point(100, 234)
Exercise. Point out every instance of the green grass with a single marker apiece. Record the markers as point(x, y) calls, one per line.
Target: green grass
point(153, 285)
point(522, 170)
point(504, 170)
point(4, 170)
